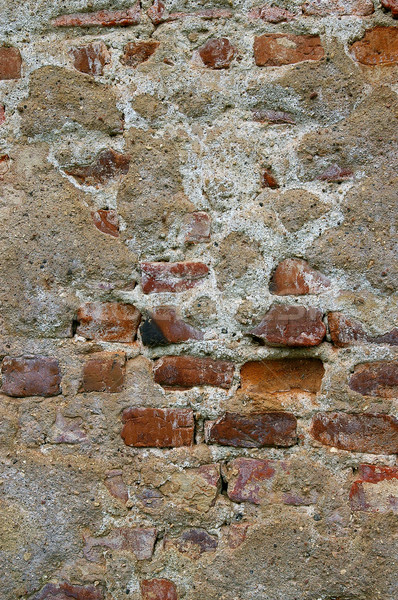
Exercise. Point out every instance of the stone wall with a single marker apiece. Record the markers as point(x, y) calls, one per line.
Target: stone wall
point(199, 325)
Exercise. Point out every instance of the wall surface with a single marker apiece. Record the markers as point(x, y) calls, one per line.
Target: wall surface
point(198, 300)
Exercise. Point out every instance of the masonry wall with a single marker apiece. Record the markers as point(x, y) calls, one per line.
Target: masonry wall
point(198, 300)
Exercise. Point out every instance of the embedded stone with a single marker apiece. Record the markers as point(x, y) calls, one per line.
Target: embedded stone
point(273, 117)
point(115, 485)
point(183, 372)
point(172, 277)
point(291, 326)
point(91, 59)
point(197, 227)
point(268, 180)
point(140, 541)
point(158, 589)
point(194, 542)
point(294, 277)
point(107, 221)
point(378, 378)
point(67, 591)
point(253, 431)
point(31, 376)
point(346, 331)
point(136, 53)
point(217, 53)
point(157, 428)
point(282, 375)
point(336, 174)
point(276, 49)
point(108, 321)
point(104, 372)
point(163, 326)
point(108, 165)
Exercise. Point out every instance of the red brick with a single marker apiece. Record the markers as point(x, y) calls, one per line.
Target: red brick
point(336, 174)
point(158, 589)
point(10, 63)
point(253, 431)
point(276, 49)
point(376, 490)
point(268, 180)
point(108, 321)
point(197, 227)
point(183, 372)
point(172, 277)
point(90, 59)
point(163, 326)
point(157, 427)
point(102, 18)
point(379, 46)
point(376, 379)
point(158, 14)
point(373, 433)
point(31, 376)
point(271, 14)
point(217, 53)
point(136, 53)
point(67, 591)
point(108, 165)
point(275, 117)
point(107, 221)
point(324, 8)
point(282, 375)
point(139, 541)
point(346, 331)
point(294, 277)
point(391, 5)
point(104, 372)
point(115, 485)
point(291, 326)
point(193, 542)
point(270, 482)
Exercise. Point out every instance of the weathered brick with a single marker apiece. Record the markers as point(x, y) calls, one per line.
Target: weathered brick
point(90, 59)
point(291, 326)
point(158, 14)
point(379, 46)
point(108, 321)
point(391, 5)
point(252, 431)
point(104, 372)
point(197, 227)
point(276, 49)
point(31, 376)
point(184, 372)
point(295, 277)
point(10, 63)
point(217, 53)
point(68, 591)
point(324, 8)
point(376, 379)
point(268, 180)
point(346, 331)
point(157, 427)
point(107, 165)
point(102, 18)
point(163, 326)
point(136, 53)
point(271, 14)
point(172, 277)
point(115, 485)
point(376, 490)
point(336, 174)
point(193, 542)
point(107, 221)
point(373, 433)
point(139, 541)
point(158, 589)
point(282, 375)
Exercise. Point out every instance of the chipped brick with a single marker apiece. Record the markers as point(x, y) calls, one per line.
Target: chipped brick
point(31, 376)
point(276, 49)
point(197, 227)
point(136, 53)
point(157, 428)
point(271, 14)
point(325, 8)
point(193, 542)
point(90, 59)
point(139, 541)
point(391, 5)
point(108, 321)
point(253, 431)
point(273, 117)
point(376, 490)
point(184, 372)
point(115, 485)
point(67, 591)
point(108, 165)
point(378, 378)
point(158, 589)
point(336, 174)
point(107, 221)
point(268, 180)
point(379, 46)
point(172, 277)
point(295, 277)
point(163, 326)
point(291, 326)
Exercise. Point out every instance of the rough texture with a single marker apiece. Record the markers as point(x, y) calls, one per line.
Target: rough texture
point(198, 300)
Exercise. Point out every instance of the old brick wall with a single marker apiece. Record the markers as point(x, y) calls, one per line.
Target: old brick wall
point(198, 300)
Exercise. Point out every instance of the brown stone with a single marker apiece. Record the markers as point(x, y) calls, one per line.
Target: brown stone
point(194, 542)
point(268, 180)
point(115, 485)
point(291, 326)
point(379, 46)
point(271, 14)
point(325, 8)
point(67, 591)
point(276, 49)
point(376, 379)
point(91, 59)
point(373, 433)
point(391, 5)
point(294, 277)
point(136, 53)
point(367, 495)
point(10, 63)
point(253, 431)
point(140, 541)
point(158, 589)
point(163, 326)
point(108, 321)
point(104, 372)
point(184, 372)
point(108, 165)
point(31, 376)
point(157, 428)
point(107, 221)
point(172, 277)
point(197, 227)
point(102, 18)
point(217, 53)
point(282, 375)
